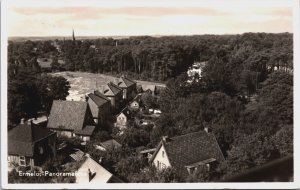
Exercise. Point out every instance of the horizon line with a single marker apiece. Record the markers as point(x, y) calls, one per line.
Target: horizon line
point(161, 35)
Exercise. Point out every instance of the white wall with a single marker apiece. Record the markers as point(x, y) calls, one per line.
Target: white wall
point(161, 160)
point(121, 119)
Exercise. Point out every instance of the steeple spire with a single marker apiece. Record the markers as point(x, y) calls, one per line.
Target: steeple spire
point(73, 35)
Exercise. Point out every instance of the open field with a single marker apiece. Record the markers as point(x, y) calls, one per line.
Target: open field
point(83, 83)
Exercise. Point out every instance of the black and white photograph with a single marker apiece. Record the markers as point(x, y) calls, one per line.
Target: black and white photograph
point(112, 94)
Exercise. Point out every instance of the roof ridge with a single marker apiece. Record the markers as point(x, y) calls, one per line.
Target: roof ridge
point(91, 95)
point(76, 101)
point(101, 95)
point(129, 79)
point(188, 134)
point(114, 85)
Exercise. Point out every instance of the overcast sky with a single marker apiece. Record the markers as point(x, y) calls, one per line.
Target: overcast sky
point(147, 19)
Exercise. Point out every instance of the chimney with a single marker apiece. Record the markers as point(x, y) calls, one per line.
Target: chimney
point(165, 138)
point(207, 129)
point(22, 121)
point(29, 121)
point(100, 160)
point(90, 175)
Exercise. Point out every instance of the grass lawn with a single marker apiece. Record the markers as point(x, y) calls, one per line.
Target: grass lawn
point(83, 83)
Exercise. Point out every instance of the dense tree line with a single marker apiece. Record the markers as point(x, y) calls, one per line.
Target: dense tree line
point(30, 93)
point(160, 59)
point(250, 133)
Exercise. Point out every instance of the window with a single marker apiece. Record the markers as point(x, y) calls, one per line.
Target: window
point(191, 170)
point(158, 164)
point(163, 154)
point(41, 150)
point(22, 161)
point(208, 167)
point(163, 166)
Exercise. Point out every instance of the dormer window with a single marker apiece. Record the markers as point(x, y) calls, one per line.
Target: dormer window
point(41, 150)
point(208, 167)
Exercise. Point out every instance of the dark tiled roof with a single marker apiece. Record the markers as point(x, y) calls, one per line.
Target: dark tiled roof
point(114, 88)
point(99, 101)
point(22, 138)
point(111, 144)
point(67, 115)
point(78, 155)
point(87, 130)
point(150, 87)
point(126, 112)
point(126, 81)
point(96, 92)
point(189, 149)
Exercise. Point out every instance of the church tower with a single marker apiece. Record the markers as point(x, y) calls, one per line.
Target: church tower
point(73, 35)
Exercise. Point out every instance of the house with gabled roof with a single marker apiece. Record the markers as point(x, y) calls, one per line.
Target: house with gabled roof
point(187, 153)
point(135, 103)
point(113, 93)
point(128, 86)
point(149, 88)
point(110, 144)
point(99, 105)
point(30, 144)
point(71, 119)
point(45, 63)
point(122, 118)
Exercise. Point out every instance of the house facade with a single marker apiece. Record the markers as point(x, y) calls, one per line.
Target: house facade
point(114, 94)
point(161, 160)
point(188, 153)
point(45, 64)
point(134, 105)
point(71, 119)
point(122, 118)
point(31, 145)
point(100, 106)
point(128, 87)
point(149, 88)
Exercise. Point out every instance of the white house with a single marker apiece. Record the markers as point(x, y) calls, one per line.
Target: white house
point(187, 153)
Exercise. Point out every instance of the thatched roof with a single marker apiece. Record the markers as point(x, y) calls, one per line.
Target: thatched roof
point(96, 92)
point(114, 88)
point(99, 101)
point(125, 82)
